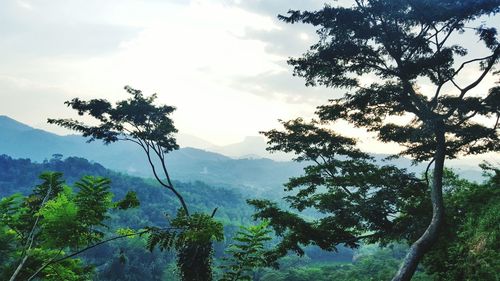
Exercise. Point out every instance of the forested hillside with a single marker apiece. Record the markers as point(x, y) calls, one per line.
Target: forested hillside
point(129, 258)
point(187, 164)
point(21, 175)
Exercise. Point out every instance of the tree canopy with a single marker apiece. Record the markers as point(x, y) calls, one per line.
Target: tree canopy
point(412, 50)
point(139, 120)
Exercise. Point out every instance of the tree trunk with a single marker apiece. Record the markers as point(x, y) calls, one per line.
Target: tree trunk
point(195, 262)
point(424, 243)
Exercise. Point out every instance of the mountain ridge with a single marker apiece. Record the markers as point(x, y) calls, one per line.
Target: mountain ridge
point(249, 171)
point(186, 164)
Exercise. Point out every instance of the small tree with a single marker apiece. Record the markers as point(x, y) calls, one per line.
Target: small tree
point(247, 253)
point(42, 227)
point(404, 44)
point(140, 121)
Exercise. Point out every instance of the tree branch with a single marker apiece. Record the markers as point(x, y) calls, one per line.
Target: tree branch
point(427, 171)
point(491, 62)
point(31, 236)
point(54, 261)
point(161, 156)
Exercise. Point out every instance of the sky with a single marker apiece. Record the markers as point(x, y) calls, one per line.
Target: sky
point(221, 63)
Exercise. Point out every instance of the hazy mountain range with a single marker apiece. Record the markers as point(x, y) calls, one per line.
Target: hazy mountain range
point(241, 165)
point(251, 147)
point(187, 164)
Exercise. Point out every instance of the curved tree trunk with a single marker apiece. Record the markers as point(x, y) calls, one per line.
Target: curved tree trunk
point(424, 243)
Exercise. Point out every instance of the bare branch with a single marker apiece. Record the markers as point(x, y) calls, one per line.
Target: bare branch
point(487, 69)
point(213, 213)
point(161, 156)
point(469, 61)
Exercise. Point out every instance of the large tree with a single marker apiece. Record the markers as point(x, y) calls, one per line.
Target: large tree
point(424, 73)
point(140, 121)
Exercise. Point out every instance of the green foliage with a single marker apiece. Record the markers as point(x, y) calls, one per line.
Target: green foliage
point(247, 253)
point(130, 201)
point(93, 201)
point(355, 196)
point(59, 222)
point(469, 247)
point(372, 263)
point(192, 237)
point(183, 230)
point(51, 221)
point(141, 264)
point(70, 269)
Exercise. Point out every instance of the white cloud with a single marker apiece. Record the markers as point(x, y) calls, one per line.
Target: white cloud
point(221, 62)
point(190, 56)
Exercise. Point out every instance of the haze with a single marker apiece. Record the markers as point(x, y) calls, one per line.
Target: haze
point(221, 63)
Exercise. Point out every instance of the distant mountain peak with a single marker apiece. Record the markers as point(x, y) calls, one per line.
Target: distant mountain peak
point(7, 123)
point(255, 139)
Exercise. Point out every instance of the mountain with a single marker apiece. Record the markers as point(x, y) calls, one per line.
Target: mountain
point(186, 164)
point(186, 140)
point(253, 147)
point(10, 124)
point(252, 173)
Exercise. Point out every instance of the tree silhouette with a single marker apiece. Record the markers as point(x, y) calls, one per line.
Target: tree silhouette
point(140, 121)
point(403, 44)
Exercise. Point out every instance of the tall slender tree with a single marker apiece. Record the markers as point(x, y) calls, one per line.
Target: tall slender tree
point(415, 51)
point(140, 121)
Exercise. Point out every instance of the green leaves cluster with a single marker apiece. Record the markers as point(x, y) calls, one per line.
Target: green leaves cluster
point(51, 221)
point(196, 228)
point(191, 237)
point(378, 265)
point(354, 196)
point(469, 246)
point(248, 253)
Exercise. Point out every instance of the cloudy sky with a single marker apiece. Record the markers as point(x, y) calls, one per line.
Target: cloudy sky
point(222, 63)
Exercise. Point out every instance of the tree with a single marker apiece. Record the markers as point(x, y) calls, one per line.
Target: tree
point(353, 197)
point(247, 253)
point(403, 45)
point(140, 121)
point(40, 228)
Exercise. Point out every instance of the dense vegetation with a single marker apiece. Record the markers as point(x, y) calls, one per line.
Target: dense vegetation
point(469, 246)
point(232, 211)
point(40, 228)
point(129, 259)
point(467, 252)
